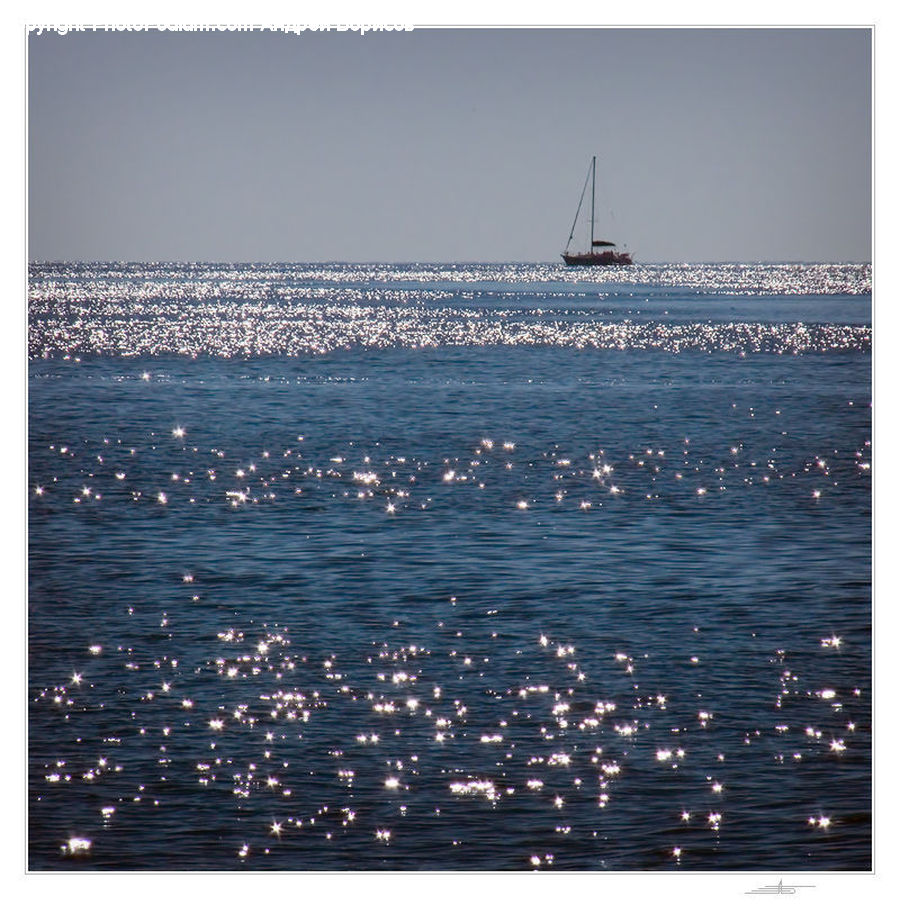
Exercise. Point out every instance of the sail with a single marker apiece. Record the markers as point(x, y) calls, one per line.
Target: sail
point(603, 242)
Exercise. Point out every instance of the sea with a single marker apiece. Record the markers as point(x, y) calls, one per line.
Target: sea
point(431, 567)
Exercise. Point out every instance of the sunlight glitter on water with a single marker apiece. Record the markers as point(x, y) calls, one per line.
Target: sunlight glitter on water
point(259, 489)
point(342, 641)
point(264, 311)
point(473, 786)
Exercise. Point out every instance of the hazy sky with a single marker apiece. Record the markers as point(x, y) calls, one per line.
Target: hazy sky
point(442, 145)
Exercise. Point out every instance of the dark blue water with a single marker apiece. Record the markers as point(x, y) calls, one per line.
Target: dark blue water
point(481, 569)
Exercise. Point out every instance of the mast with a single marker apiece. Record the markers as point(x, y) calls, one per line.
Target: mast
point(593, 187)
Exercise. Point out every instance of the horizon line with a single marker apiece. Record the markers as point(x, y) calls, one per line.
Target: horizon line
point(396, 263)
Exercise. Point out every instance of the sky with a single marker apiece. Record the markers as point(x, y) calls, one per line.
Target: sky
point(461, 144)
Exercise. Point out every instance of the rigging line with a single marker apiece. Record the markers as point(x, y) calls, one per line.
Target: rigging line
point(580, 200)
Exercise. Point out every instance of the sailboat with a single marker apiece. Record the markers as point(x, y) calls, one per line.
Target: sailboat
point(592, 257)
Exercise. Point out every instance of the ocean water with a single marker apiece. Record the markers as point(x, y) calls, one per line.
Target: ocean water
point(433, 567)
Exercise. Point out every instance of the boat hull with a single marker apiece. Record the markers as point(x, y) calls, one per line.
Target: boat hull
point(598, 259)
